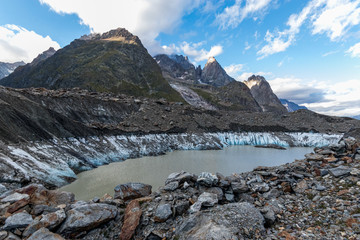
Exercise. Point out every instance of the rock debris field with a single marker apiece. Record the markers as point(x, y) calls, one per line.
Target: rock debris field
point(314, 198)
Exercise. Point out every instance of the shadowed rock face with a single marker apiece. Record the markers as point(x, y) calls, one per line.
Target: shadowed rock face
point(213, 74)
point(264, 95)
point(177, 67)
point(115, 61)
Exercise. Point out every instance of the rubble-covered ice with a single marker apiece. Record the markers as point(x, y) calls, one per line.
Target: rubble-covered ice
point(55, 162)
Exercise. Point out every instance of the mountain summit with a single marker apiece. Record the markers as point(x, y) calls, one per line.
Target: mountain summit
point(213, 74)
point(115, 61)
point(263, 94)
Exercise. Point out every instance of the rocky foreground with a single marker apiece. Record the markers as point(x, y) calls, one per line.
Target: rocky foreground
point(314, 198)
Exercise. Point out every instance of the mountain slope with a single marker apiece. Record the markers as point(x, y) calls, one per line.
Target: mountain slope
point(213, 74)
point(7, 68)
point(264, 95)
point(177, 67)
point(115, 61)
point(291, 106)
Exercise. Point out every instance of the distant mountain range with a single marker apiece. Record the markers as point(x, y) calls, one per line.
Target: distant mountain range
point(8, 68)
point(291, 106)
point(356, 117)
point(117, 62)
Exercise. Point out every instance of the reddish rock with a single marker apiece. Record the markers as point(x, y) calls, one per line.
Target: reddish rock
point(131, 220)
point(17, 205)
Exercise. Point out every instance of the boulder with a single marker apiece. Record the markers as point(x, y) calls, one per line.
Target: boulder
point(19, 220)
point(180, 177)
point(239, 187)
point(171, 186)
point(85, 217)
point(15, 197)
point(50, 221)
point(301, 187)
point(207, 179)
point(230, 221)
point(131, 220)
point(340, 171)
point(163, 212)
point(131, 191)
point(45, 234)
point(205, 199)
point(314, 157)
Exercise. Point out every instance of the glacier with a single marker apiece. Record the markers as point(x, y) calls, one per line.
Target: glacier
point(57, 162)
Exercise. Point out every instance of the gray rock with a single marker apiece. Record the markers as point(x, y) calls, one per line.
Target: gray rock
point(205, 199)
point(180, 177)
point(186, 185)
point(171, 186)
point(15, 197)
point(43, 209)
point(301, 186)
point(163, 212)
point(260, 187)
point(87, 216)
point(50, 221)
point(269, 215)
point(45, 234)
point(273, 193)
point(19, 220)
point(229, 197)
point(239, 187)
point(324, 172)
point(340, 171)
point(314, 157)
point(3, 189)
point(131, 191)
point(3, 235)
point(207, 179)
point(230, 221)
point(181, 207)
point(12, 236)
point(320, 188)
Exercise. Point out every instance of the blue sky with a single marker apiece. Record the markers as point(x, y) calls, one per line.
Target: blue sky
point(308, 50)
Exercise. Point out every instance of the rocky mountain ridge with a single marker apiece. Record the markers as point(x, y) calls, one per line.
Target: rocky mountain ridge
point(8, 68)
point(263, 94)
point(115, 61)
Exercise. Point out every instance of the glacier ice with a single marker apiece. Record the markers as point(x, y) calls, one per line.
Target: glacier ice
point(56, 161)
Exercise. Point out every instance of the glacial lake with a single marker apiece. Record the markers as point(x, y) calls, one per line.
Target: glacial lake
point(155, 170)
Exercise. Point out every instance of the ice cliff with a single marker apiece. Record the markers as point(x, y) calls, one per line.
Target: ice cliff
point(55, 163)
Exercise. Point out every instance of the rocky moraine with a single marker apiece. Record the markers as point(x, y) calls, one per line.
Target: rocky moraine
point(314, 198)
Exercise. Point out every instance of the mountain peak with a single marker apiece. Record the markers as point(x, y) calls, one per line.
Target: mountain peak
point(214, 74)
point(263, 94)
point(211, 60)
point(119, 34)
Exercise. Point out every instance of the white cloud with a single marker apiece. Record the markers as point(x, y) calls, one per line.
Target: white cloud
point(141, 17)
point(354, 50)
point(339, 99)
point(20, 44)
point(234, 69)
point(336, 18)
point(232, 16)
point(237, 72)
point(333, 17)
point(194, 50)
point(329, 53)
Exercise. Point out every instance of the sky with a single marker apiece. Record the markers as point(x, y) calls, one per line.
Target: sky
point(308, 50)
